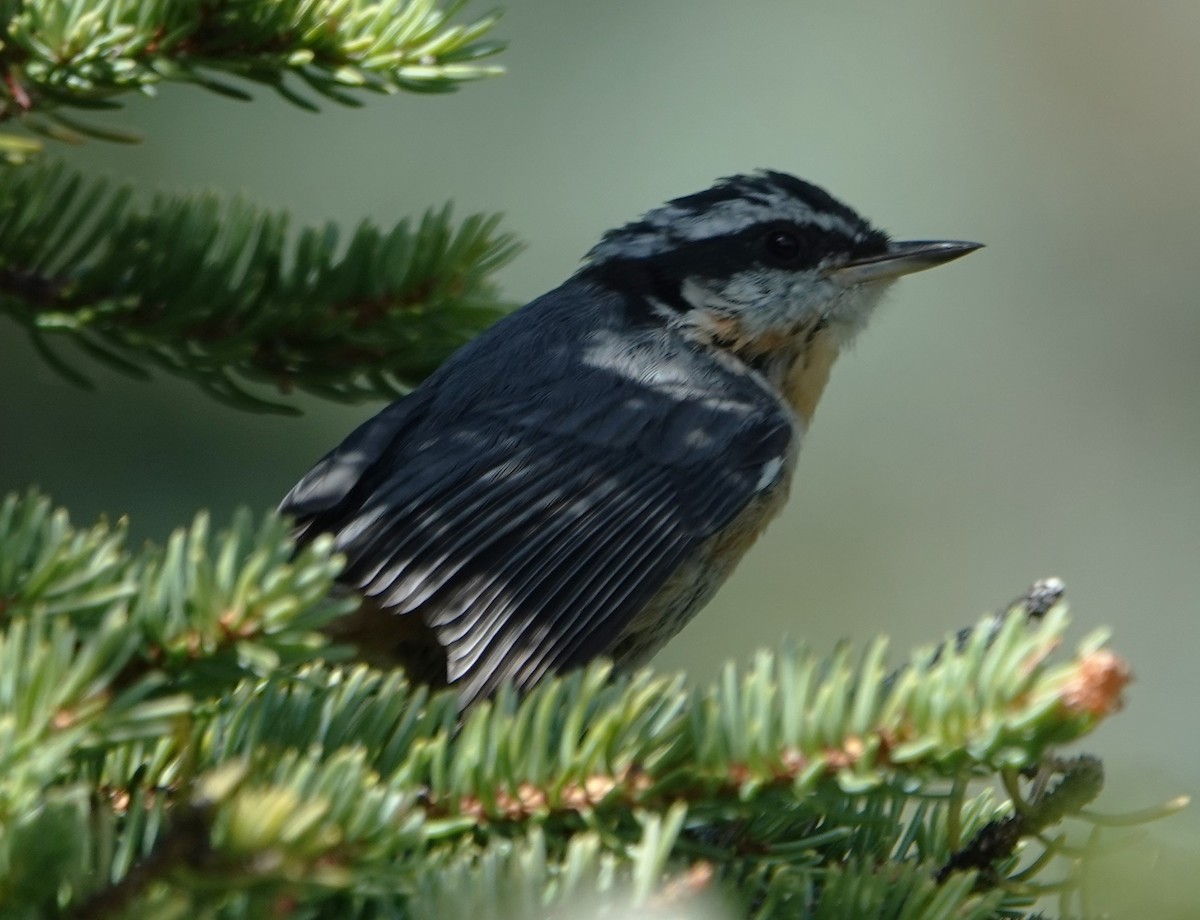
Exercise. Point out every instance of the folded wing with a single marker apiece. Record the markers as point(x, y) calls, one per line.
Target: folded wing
point(528, 528)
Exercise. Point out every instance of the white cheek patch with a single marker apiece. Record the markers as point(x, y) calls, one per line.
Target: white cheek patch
point(765, 302)
point(849, 312)
point(770, 474)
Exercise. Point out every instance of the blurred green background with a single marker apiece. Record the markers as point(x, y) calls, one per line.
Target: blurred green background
point(1032, 410)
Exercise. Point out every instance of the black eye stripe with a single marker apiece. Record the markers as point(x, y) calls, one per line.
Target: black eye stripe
point(725, 256)
point(662, 274)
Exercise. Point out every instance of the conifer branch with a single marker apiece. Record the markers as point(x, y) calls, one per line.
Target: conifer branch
point(219, 771)
point(218, 292)
point(56, 55)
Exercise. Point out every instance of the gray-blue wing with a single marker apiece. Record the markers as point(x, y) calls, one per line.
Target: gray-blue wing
point(528, 529)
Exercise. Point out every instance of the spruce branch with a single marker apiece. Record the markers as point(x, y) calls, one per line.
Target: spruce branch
point(99, 643)
point(172, 744)
point(56, 55)
point(219, 293)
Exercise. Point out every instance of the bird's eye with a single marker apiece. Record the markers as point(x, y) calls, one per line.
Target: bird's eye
point(784, 245)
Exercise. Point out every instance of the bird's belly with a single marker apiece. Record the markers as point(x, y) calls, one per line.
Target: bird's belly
point(697, 579)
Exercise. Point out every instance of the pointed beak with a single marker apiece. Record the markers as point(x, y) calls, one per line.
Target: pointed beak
point(900, 259)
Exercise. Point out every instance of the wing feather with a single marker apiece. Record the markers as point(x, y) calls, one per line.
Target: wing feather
point(541, 609)
point(445, 541)
point(652, 553)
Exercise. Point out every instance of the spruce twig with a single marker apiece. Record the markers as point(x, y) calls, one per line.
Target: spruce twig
point(809, 785)
point(86, 55)
point(219, 292)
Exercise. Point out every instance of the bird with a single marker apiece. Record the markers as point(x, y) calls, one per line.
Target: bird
point(578, 480)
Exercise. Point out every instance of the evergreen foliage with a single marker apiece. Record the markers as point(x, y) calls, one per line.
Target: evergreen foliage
point(178, 741)
point(219, 292)
point(59, 54)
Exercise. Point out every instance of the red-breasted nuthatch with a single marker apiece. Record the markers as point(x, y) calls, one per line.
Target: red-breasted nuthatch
point(581, 478)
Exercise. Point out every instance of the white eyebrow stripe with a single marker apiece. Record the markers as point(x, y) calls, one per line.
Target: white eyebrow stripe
point(666, 227)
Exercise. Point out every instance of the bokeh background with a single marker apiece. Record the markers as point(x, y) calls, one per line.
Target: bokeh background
point(1029, 411)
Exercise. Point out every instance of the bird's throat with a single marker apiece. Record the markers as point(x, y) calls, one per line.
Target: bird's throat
point(806, 374)
point(794, 361)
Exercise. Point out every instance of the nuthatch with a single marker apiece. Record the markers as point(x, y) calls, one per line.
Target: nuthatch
point(580, 479)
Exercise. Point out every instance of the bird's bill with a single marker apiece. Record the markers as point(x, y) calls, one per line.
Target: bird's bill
point(901, 259)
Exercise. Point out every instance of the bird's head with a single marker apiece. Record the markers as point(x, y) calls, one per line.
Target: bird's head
point(759, 264)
